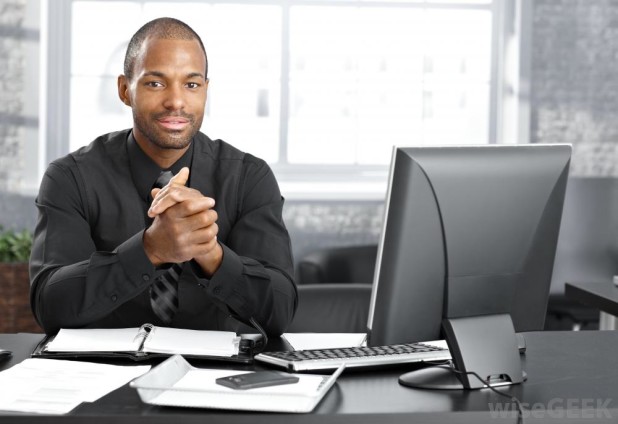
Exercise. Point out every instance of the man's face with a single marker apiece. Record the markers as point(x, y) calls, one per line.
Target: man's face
point(167, 93)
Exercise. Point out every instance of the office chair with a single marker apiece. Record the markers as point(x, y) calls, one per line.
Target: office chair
point(331, 308)
point(349, 264)
point(334, 290)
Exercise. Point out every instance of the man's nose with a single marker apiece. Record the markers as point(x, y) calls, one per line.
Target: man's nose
point(174, 99)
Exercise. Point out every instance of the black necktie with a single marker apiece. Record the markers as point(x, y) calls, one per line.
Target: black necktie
point(164, 290)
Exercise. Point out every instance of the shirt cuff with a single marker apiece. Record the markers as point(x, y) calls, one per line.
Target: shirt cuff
point(224, 285)
point(135, 263)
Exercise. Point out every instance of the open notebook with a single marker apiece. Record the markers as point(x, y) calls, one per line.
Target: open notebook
point(145, 342)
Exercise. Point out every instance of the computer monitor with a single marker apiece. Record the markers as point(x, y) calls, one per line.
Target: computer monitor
point(468, 232)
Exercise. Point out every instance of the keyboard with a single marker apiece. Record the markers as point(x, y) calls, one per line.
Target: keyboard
point(364, 356)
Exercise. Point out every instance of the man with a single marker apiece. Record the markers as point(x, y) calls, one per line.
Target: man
point(106, 241)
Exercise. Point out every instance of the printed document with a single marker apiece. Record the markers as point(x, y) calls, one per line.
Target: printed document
point(51, 386)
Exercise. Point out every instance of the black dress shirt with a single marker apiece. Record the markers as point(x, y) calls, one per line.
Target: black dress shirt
point(88, 266)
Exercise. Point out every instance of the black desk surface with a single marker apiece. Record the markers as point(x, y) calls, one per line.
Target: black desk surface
point(603, 296)
point(572, 377)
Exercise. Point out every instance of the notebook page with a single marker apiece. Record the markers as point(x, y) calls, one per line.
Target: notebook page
point(192, 342)
point(96, 340)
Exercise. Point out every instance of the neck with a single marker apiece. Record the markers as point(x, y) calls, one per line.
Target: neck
point(164, 158)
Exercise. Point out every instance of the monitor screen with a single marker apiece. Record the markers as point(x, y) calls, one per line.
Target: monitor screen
point(468, 231)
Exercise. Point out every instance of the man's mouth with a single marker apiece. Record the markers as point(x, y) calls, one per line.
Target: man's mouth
point(174, 123)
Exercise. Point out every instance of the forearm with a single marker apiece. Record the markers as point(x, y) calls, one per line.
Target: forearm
point(251, 290)
point(75, 295)
point(255, 278)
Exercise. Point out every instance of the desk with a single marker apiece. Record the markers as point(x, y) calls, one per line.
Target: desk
point(603, 296)
point(571, 377)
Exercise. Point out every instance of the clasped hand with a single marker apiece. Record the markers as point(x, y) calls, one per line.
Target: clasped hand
point(184, 226)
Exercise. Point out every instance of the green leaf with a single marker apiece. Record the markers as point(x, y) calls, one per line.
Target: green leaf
point(15, 246)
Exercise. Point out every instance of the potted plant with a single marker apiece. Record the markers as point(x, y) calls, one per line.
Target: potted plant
point(15, 313)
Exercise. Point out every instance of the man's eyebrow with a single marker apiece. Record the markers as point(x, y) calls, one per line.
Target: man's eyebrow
point(154, 74)
point(160, 74)
point(195, 75)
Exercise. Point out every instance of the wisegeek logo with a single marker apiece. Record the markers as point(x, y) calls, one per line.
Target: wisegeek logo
point(579, 409)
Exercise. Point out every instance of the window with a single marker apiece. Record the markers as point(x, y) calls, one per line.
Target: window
point(322, 90)
point(365, 78)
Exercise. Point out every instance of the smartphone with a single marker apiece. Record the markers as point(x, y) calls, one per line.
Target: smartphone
point(253, 380)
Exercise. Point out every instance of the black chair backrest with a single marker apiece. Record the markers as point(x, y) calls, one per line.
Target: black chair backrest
point(350, 264)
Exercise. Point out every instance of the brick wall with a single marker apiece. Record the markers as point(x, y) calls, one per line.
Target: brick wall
point(575, 81)
point(12, 70)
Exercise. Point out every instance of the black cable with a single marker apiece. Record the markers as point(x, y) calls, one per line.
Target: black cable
point(451, 367)
point(520, 409)
point(259, 328)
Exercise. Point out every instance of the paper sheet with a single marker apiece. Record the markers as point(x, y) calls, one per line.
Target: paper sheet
point(198, 388)
point(304, 341)
point(175, 382)
point(437, 343)
point(53, 386)
point(95, 339)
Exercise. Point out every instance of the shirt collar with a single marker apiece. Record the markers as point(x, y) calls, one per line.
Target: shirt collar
point(144, 171)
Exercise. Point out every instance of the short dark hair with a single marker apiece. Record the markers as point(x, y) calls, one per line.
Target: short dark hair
point(166, 28)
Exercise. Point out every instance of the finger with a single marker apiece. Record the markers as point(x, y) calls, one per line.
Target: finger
point(205, 248)
point(193, 201)
point(201, 208)
point(181, 178)
point(205, 224)
point(154, 192)
point(201, 236)
point(166, 241)
point(197, 212)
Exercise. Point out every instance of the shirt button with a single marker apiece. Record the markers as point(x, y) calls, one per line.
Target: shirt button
point(201, 286)
point(114, 298)
point(145, 277)
point(216, 290)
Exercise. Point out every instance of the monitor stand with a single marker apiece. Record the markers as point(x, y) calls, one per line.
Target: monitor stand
point(486, 345)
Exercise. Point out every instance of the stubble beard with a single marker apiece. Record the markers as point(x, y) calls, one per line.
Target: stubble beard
point(167, 139)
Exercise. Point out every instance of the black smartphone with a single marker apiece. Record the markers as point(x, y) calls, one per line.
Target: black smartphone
point(253, 380)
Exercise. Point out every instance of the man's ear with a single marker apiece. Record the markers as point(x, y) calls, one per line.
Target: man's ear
point(123, 90)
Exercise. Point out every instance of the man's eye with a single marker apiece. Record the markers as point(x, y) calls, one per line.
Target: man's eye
point(154, 84)
point(193, 85)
